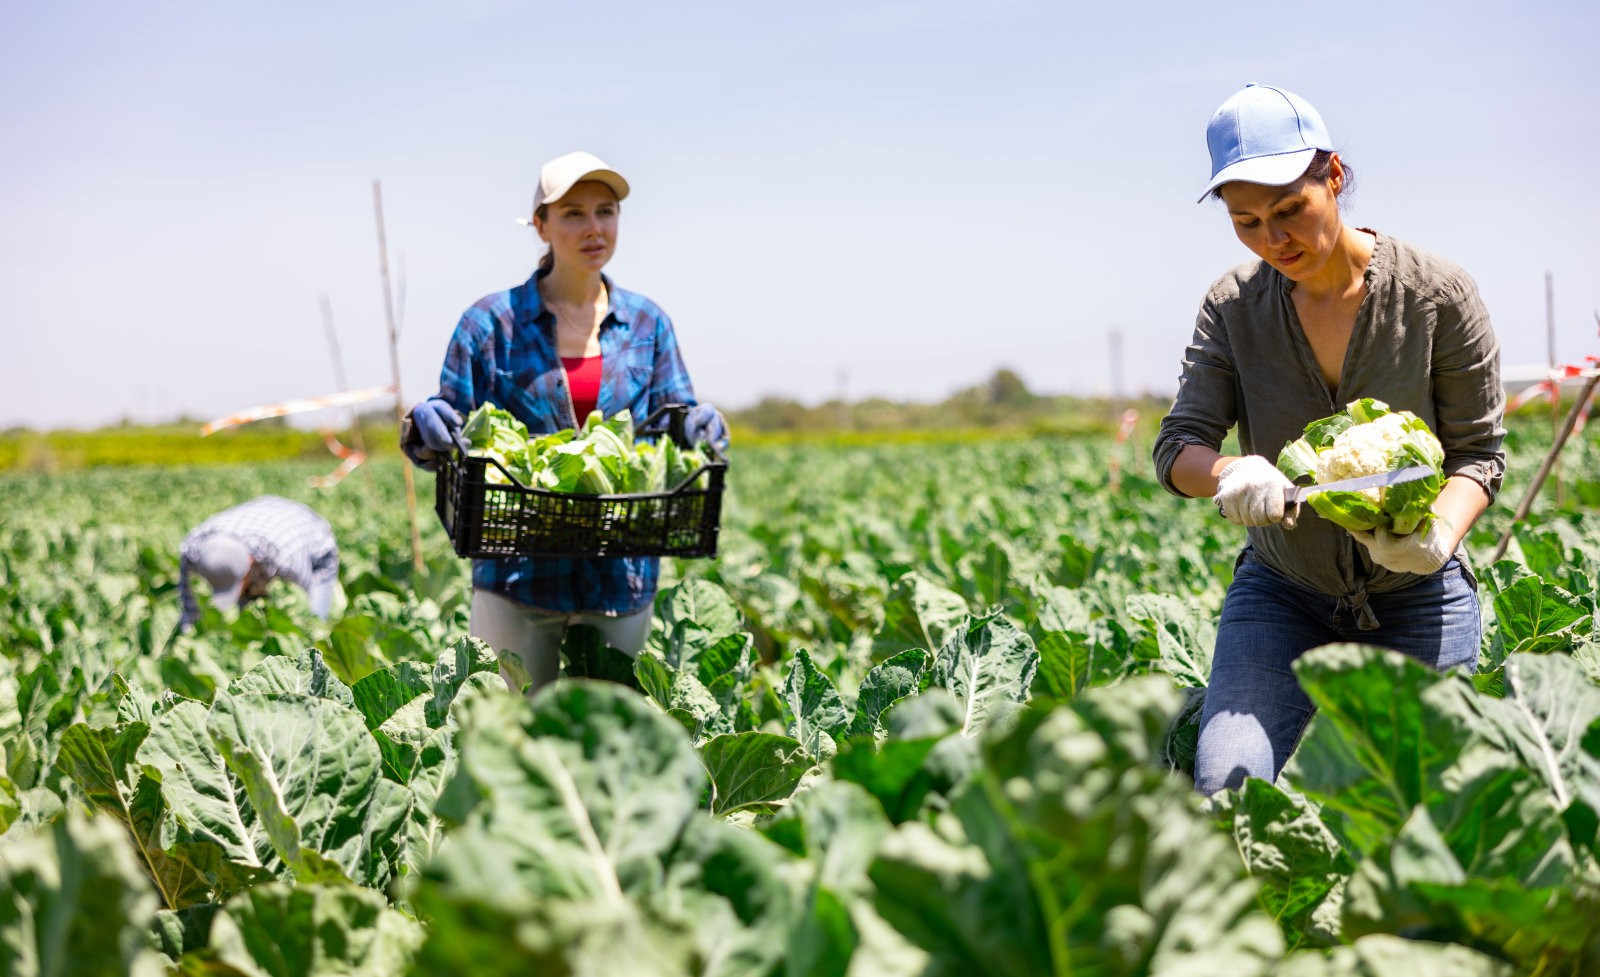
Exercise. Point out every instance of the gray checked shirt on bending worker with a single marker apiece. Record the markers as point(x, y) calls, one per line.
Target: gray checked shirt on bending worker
point(1422, 342)
point(287, 540)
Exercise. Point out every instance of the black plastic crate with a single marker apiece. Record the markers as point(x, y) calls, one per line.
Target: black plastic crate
point(487, 520)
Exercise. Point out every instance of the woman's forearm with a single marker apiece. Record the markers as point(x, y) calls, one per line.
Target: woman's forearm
point(1195, 471)
point(1459, 505)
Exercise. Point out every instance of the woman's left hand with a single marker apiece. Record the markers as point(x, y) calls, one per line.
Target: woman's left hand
point(705, 424)
point(1421, 552)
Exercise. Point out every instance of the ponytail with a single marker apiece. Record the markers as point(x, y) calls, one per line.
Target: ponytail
point(547, 261)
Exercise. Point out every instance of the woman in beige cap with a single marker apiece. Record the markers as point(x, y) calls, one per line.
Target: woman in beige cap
point(563, 343)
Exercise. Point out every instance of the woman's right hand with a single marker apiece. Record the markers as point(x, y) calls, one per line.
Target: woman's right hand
point(432, 429)
point(1251, 492)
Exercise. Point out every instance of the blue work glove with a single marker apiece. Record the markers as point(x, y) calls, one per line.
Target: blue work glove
point(705, 423)
point(432, 429)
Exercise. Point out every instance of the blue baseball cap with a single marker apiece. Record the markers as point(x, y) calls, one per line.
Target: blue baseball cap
point(1263, 135)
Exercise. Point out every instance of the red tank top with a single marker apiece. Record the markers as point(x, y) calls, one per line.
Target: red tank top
point(583, 380)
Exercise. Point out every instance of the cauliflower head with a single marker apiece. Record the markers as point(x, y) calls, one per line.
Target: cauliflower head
point(1367, 438)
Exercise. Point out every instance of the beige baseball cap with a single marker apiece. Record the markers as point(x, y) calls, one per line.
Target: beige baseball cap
point(562, 173)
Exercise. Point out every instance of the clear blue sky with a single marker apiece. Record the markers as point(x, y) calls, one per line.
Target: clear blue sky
point(910, 194)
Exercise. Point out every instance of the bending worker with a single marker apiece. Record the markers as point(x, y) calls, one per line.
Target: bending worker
point(240, 550)
point(565, 342)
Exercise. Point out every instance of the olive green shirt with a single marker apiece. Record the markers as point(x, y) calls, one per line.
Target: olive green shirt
point(1422, 342)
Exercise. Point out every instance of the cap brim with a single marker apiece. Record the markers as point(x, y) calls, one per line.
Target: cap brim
point(610, 178)
point(1273, 171)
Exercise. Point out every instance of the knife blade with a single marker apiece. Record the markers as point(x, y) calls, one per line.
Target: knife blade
point(1383, 479)
point(1292, 497)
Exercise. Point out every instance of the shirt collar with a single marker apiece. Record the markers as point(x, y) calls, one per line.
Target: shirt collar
point(1381, 264)
point(618, 307)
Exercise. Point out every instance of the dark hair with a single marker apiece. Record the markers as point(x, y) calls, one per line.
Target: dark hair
point(1319, 169)
point(547, 260)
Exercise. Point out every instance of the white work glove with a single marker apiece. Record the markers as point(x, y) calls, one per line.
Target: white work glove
point(1420, 552)
point(1250, 492)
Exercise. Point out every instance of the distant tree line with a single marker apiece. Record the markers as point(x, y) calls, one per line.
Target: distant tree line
point(1002, 400)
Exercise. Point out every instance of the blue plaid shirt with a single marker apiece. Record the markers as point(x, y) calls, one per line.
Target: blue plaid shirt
point(504, 352)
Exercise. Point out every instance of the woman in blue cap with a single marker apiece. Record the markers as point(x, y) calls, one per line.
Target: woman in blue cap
point(1327, 314)
point(563, 343)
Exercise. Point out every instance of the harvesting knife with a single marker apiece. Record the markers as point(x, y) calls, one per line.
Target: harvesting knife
point(1292, 497)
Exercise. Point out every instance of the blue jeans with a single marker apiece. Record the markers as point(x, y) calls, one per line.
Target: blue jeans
point(1255, 710)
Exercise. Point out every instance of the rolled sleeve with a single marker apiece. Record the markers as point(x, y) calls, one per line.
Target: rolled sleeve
point(1468, 400)
point(1205, 407)
point(325, 564)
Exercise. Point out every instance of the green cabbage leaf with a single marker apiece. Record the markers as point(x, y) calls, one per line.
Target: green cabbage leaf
point(601, 457)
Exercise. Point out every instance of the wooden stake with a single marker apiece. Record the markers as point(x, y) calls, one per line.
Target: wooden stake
point(1549, 463)
point(394, 366)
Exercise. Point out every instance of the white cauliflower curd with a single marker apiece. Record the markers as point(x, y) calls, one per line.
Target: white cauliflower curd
point(1365, 449)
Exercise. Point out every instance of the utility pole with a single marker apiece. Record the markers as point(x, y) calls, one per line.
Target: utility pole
point(394, 366)
point(1116, 365)
point(1550, 316)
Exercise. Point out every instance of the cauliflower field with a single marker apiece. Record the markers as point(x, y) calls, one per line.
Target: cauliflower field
point(928, 713)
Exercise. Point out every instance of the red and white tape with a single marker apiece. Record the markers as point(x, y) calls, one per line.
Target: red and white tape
point(1546, 389)
point(300, 406)
point(348, 465)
